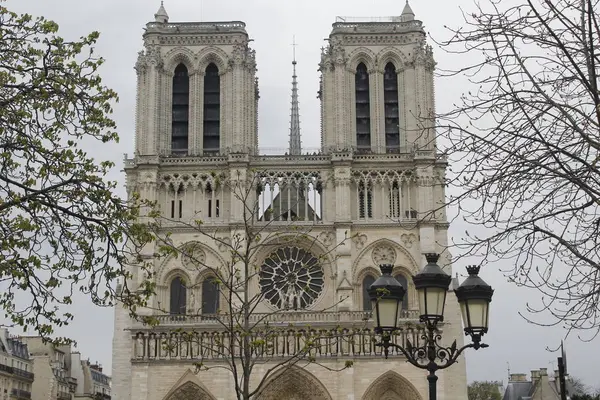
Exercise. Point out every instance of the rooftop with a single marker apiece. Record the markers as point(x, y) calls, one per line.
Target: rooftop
point(196, 27)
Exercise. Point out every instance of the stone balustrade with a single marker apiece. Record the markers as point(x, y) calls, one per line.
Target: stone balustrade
point(312, 318)
point(268, 343)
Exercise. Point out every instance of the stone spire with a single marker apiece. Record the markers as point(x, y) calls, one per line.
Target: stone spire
point(161, 15)
point(295, 141)
point(407, 13)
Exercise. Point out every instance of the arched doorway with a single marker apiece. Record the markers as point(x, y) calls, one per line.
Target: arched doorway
point(294, 384)
point(189, 388)
point(391, 386)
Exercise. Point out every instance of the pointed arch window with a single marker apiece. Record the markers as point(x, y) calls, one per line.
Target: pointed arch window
point(366, 283)
point(365, 200)
point(180, 110)
point(210, 296)
point(212, 109)
point(392, 113)
point(404, 282)
point(363, 109)
point(394, 197)
point(178, 293)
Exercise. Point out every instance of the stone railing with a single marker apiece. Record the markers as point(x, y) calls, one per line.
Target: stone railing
point(376, 26)
point(270, 343)
point(184, 27)
point(277, 318)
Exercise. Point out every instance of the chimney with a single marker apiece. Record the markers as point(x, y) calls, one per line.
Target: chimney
point(518, 378)
point(535, 375)
point(96, 367)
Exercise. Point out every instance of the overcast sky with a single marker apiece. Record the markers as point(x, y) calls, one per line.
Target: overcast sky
point(272, 24)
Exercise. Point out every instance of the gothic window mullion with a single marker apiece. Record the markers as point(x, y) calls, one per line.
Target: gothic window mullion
point(363, 108)
point(391, 109)
point(180, 109)
point(212, 110)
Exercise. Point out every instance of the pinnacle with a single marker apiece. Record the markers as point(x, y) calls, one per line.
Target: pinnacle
point(161, 15)
point(407, 13)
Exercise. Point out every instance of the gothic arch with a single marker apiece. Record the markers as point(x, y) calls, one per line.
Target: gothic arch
point(168, 265)
point(294, 384)
point(393, 55)
point(175, 272)
point(179, 55)
point(189, 387)
point(364, 55)
point(391, 386)
point(370, 270)
point(214, 55)
point(403, 258)
point(307, 243)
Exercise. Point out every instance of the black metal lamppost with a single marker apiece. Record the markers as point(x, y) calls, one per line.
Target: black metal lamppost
point(432, 283)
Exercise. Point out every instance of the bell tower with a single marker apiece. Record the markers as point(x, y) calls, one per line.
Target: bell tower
point(377, 86)
point(196, 92)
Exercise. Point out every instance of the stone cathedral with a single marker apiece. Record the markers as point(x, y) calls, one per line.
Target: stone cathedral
point(370, 196)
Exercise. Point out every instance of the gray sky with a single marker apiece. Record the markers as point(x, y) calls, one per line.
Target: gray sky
point(272, 24)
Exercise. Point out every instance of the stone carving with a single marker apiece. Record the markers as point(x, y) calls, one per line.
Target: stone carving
point(294, 384)
point(142, 62)
point(153, 56)
point(408, 239)
point(193, 257)
point(326, 238)
point(383, 254)
point(359, 240)
point(190, 391)
point(391, 386)
point(223, 244)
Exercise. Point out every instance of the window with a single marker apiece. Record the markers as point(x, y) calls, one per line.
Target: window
point(366, 283)
point(404, 282)
point(365, 200)
point(178, 296)
point(363, 110)
point(394, 196)
point(212, 109)
point(180, 110)
point(177, 202)
point(210, 296)
point(392, 115)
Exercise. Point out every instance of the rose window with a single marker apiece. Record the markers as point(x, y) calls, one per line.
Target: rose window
point(291, 278)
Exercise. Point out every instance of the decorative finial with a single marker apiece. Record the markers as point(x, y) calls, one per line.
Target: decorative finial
point(294, 49)
point(473, 270)
point(386, 269)
point(432, 258)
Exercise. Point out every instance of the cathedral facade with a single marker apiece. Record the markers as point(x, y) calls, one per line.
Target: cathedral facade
point(372, 195)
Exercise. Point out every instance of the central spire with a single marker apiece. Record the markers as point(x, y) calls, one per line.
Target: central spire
point(295, 141)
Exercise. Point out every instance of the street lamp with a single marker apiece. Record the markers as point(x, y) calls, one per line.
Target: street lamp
point(432, 283)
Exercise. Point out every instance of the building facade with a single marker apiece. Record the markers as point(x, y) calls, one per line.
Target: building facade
point(371, 196)
point(92, 383)
point(16, 368)
point(541, 386)
point(52, 369)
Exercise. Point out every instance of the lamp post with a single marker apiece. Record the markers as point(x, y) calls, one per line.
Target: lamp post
point(431, 283)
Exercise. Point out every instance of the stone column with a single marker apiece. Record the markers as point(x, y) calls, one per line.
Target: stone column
point(377, 110)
